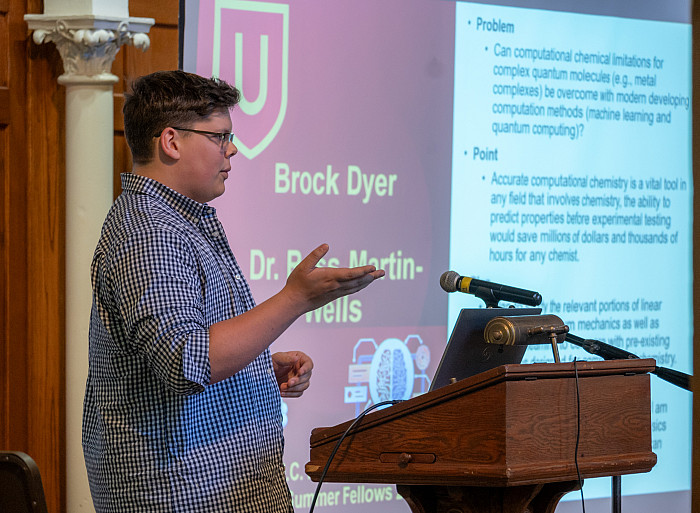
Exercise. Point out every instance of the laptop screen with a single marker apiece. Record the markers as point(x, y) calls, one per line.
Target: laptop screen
point(468, 354)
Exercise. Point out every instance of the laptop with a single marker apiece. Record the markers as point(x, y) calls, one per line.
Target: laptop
point(468, 354)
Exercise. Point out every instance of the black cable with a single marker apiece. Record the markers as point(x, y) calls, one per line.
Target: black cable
point(578, 436)
point(340, 441)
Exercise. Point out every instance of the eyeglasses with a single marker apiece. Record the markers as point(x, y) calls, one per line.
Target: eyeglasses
point(222, 137)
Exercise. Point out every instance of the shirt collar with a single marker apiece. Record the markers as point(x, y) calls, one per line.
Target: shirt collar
point(190, 209)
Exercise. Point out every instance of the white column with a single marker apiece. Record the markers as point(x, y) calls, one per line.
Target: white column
point(87, 44)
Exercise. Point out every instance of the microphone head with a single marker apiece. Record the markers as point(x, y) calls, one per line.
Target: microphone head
point(449, 280)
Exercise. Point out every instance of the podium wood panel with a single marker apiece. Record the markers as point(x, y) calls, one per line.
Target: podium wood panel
point(542, 498)
point(514, 426)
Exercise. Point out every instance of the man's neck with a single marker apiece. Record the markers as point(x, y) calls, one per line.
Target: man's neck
point(154, 171)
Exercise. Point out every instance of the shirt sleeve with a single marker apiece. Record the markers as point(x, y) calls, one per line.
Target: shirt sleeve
point(157, 289)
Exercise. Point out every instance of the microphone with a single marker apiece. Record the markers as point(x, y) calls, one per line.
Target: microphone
point(610, 352)
point(598, 348)
point(490, 293)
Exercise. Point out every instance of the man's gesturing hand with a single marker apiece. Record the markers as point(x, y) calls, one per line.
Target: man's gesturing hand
point(314, 286)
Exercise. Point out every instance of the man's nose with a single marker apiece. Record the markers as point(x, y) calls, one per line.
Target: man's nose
point(230, 149)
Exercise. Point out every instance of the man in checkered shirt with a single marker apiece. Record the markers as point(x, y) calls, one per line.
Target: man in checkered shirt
point(182, 402)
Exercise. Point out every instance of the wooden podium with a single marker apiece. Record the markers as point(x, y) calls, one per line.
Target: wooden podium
point(502, 441)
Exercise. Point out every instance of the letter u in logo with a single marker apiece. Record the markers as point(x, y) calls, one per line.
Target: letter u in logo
point(251, 51)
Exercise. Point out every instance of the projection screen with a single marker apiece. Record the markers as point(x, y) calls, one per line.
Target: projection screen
point(543, 145)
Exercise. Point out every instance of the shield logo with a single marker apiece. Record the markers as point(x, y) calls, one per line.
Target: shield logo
point(251, 51)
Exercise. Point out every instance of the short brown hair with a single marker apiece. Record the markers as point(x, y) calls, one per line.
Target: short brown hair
point(170, 98)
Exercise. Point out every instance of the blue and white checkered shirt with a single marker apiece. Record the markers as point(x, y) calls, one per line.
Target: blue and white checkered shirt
point(157, 437)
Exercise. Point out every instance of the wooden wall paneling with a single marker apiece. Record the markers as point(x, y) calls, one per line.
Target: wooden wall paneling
point(14, 343)
point(14, 420)
point(132, 63)
point(4, 236)
point(44, 169)
point(4, 47)
point(4, 103)
point(162, 55)
point(7, 349)
point(31, 402)
point(165, 12)
point(46, 304)
point(122, 155)
point(122, 160)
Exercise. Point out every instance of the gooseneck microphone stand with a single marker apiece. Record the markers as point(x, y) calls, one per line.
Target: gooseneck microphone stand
point(609, 352)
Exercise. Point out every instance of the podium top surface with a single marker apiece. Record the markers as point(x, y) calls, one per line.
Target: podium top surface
point(504, 373)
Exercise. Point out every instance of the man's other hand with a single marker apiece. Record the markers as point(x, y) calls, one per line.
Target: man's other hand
point(293, 372)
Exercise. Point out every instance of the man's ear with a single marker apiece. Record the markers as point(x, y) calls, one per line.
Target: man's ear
point(169, 143)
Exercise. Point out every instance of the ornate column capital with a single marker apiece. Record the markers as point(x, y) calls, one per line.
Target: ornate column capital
point(88, 44)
